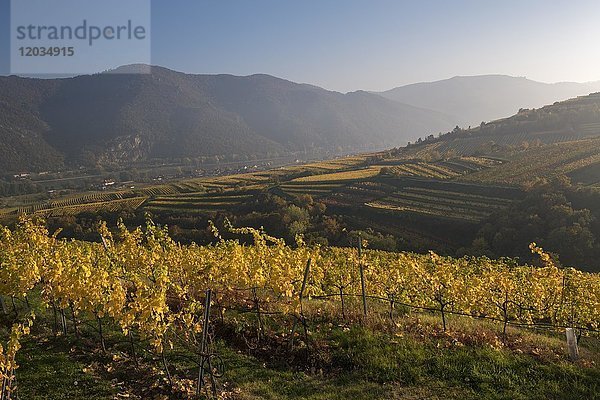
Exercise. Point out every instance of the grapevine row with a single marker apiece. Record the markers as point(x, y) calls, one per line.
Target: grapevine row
point(143, 281)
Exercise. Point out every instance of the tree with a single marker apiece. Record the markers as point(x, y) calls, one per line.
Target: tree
point(545, 216)
point(296, 219)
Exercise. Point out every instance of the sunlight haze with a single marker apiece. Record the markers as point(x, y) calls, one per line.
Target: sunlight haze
point(377, 45)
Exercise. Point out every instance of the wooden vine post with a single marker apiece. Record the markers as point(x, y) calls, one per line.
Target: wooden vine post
point(4, 308)
point(204, 343)
point(362, 276)
point(302, 318)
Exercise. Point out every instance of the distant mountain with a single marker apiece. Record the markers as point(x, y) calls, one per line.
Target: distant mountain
point(121, 118)
point(473, 99)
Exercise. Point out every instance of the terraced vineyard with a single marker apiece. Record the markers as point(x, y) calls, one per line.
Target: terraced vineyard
point(157, 190)
point(204, 184)
point(91, 198)
point(314, 168)
point(442, 203)
point(345, 187)
point(359, 193)
point(547, 161)
point(467, 146)
point(338, 163)
point(233, 180)
point(110, 206)
point(197, 202)
point(368, 172)
point(318, 179)
point(7, 211)
point(316, 190)
point(591, 129)
point(446, 169)
point(423, 169)
point(472, 145)
point(76, 204)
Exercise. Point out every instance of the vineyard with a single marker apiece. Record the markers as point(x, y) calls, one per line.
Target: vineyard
point(442, 203)
point(548, 161)
point(446, 169)
point(73, 201)
point(563, 122)
point(315, 189)
point(342, 181)
point(197, 202)
point(163, 195)
point(74, 206)
point(155, 291)
point(342, 175)
point(359, 193)
point(427, 170)
point(591, 128)
point(340, 163)
point(473, 145)
point(110, 206)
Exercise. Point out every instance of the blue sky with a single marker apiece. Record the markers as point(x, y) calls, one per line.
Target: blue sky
point(347, 45)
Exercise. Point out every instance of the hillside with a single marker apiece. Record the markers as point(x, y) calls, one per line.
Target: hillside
point(548, 161)
point(263, 320)
point(571, 120)
point(466, 192)
point(115, 119)
point(472, 99)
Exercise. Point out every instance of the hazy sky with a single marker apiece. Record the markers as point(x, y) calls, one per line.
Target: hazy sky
point(347, 45)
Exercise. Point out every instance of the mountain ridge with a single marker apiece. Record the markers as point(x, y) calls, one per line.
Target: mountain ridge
point(117, 118)
point(476, 98)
